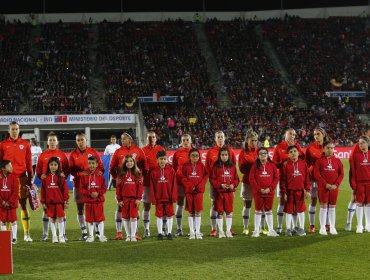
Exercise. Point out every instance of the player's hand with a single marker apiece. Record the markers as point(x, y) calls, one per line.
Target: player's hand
point(334, 187)
point(44, 206)
point(231, 187)
point(62, 174)
point(100, 173)
point(328, 186)
point(267, 190)
point(285, 198)
point(307, 195)
point(43, 176)
point(94, 194)
point(66, 205)
point(118, 180)
point(84, 173)
point(120, 203)
point(137, 202)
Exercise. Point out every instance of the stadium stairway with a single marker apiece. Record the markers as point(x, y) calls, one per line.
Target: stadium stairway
point(214, 73)
point(97, 93)
point(277, 64)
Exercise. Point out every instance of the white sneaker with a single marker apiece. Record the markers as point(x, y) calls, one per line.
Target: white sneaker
point(90, 239)
point(103, 238)
point(133, 239)
point(333, 231)
point(62, 239)
point(128, 239)
point(323, 231)
point(272, 233)
point(359, 229)
point(199, 236)
point(55, 239)
point(229, 234)
point(221, 234)
point(256, 234)
point(192, 236)
point(27, 238)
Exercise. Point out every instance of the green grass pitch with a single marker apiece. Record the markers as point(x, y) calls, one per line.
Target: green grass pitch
point(345, 256)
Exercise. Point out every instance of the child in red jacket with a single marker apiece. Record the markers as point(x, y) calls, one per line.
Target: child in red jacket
point(328, 173)
point(163, 193)
point(8, 198)
point(129, 192)
point(93, 188)
point(194, 179)
point(263, 178)
point(54, 198)
point(224, 178)
point(295, 186)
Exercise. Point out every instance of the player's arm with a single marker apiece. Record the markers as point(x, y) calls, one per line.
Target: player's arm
point(275, 182)
point(29, 164)
point(152, 188)
point(340, 177)
point(202, 185)
point(317, 174)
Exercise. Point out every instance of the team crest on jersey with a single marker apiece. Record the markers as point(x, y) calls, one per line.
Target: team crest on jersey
point(89, 155)
point(5, 187)
point(93, 183)
point(59, 158)
point(134, 155)
point(21, 147)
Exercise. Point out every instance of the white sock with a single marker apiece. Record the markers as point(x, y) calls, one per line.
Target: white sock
point(133, 227)
point(160, 225)
point(288, 220)
point(351, 212)
point(53, 229)
point(269, 220)
point(61, 228)
point(146, 219)
point(327, 219)
point(118, 217)
point(280, 216)
point(198, 220)
point(301, 217)
point(3, 226)
point(367, 216)
point(45, 224)
point(220, 223)
point(90, 226)
point(263, 219)
point(359, 215)
point(14, 230)
point(81, 221)
point(179, 216)
point(137, 222)
point(126, 225)
point(213, 215)
point(294, 219)
point(65, 224)
point(101, 228)
point(312, 214)
point(191, 224)
point(246, 214)
point(257, 221)
point(169, 224)
point(322, 216)
point(332, 216)
point(229, 222)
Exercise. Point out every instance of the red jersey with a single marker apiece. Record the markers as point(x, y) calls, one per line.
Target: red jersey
point(163, 187)
point(281, 154)
point(295, 176)
point(313, 152)
point(328, 170)
point(42, 163)
point(264, 177)
point(19, 153)
point(93, 183)
point(212, 157)
point(180, 157)
point(78, 163)
point(53, 191)
point(224, 175)
point(130, 187)
point(246, 160)
point(194, 177)
point(359, 169)
point(9, 190)
point(119, 156)
point(150, 153)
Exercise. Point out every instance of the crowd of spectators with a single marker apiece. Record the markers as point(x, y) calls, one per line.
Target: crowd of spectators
point(62, 69)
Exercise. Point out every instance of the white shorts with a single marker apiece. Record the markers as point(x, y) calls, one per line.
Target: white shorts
point(246, 192)
point(146, 195)
point(180, 191)
point(313, 190)
point(77, 195)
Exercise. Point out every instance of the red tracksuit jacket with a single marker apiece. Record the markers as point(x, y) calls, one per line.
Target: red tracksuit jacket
point(194, 177)
point(313, 153)
point(163, 186)
point(246, 160)
point(359, 169)
point(263, 178)
point(212, 157)
point(224, 175)
point(151, 159)
point(93, 183)
point(281, 154)
point(9, 190)
point(295, 181)
point(326, 175)
point(53, 191)
point(130, 187)
point(42, 163)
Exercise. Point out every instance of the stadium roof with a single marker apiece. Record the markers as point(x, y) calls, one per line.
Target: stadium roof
point(99, 6)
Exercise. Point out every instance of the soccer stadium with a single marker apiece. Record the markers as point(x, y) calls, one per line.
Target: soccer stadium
point(184, 139)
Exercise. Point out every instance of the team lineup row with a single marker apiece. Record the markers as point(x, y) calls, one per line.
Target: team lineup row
point(145, 175)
